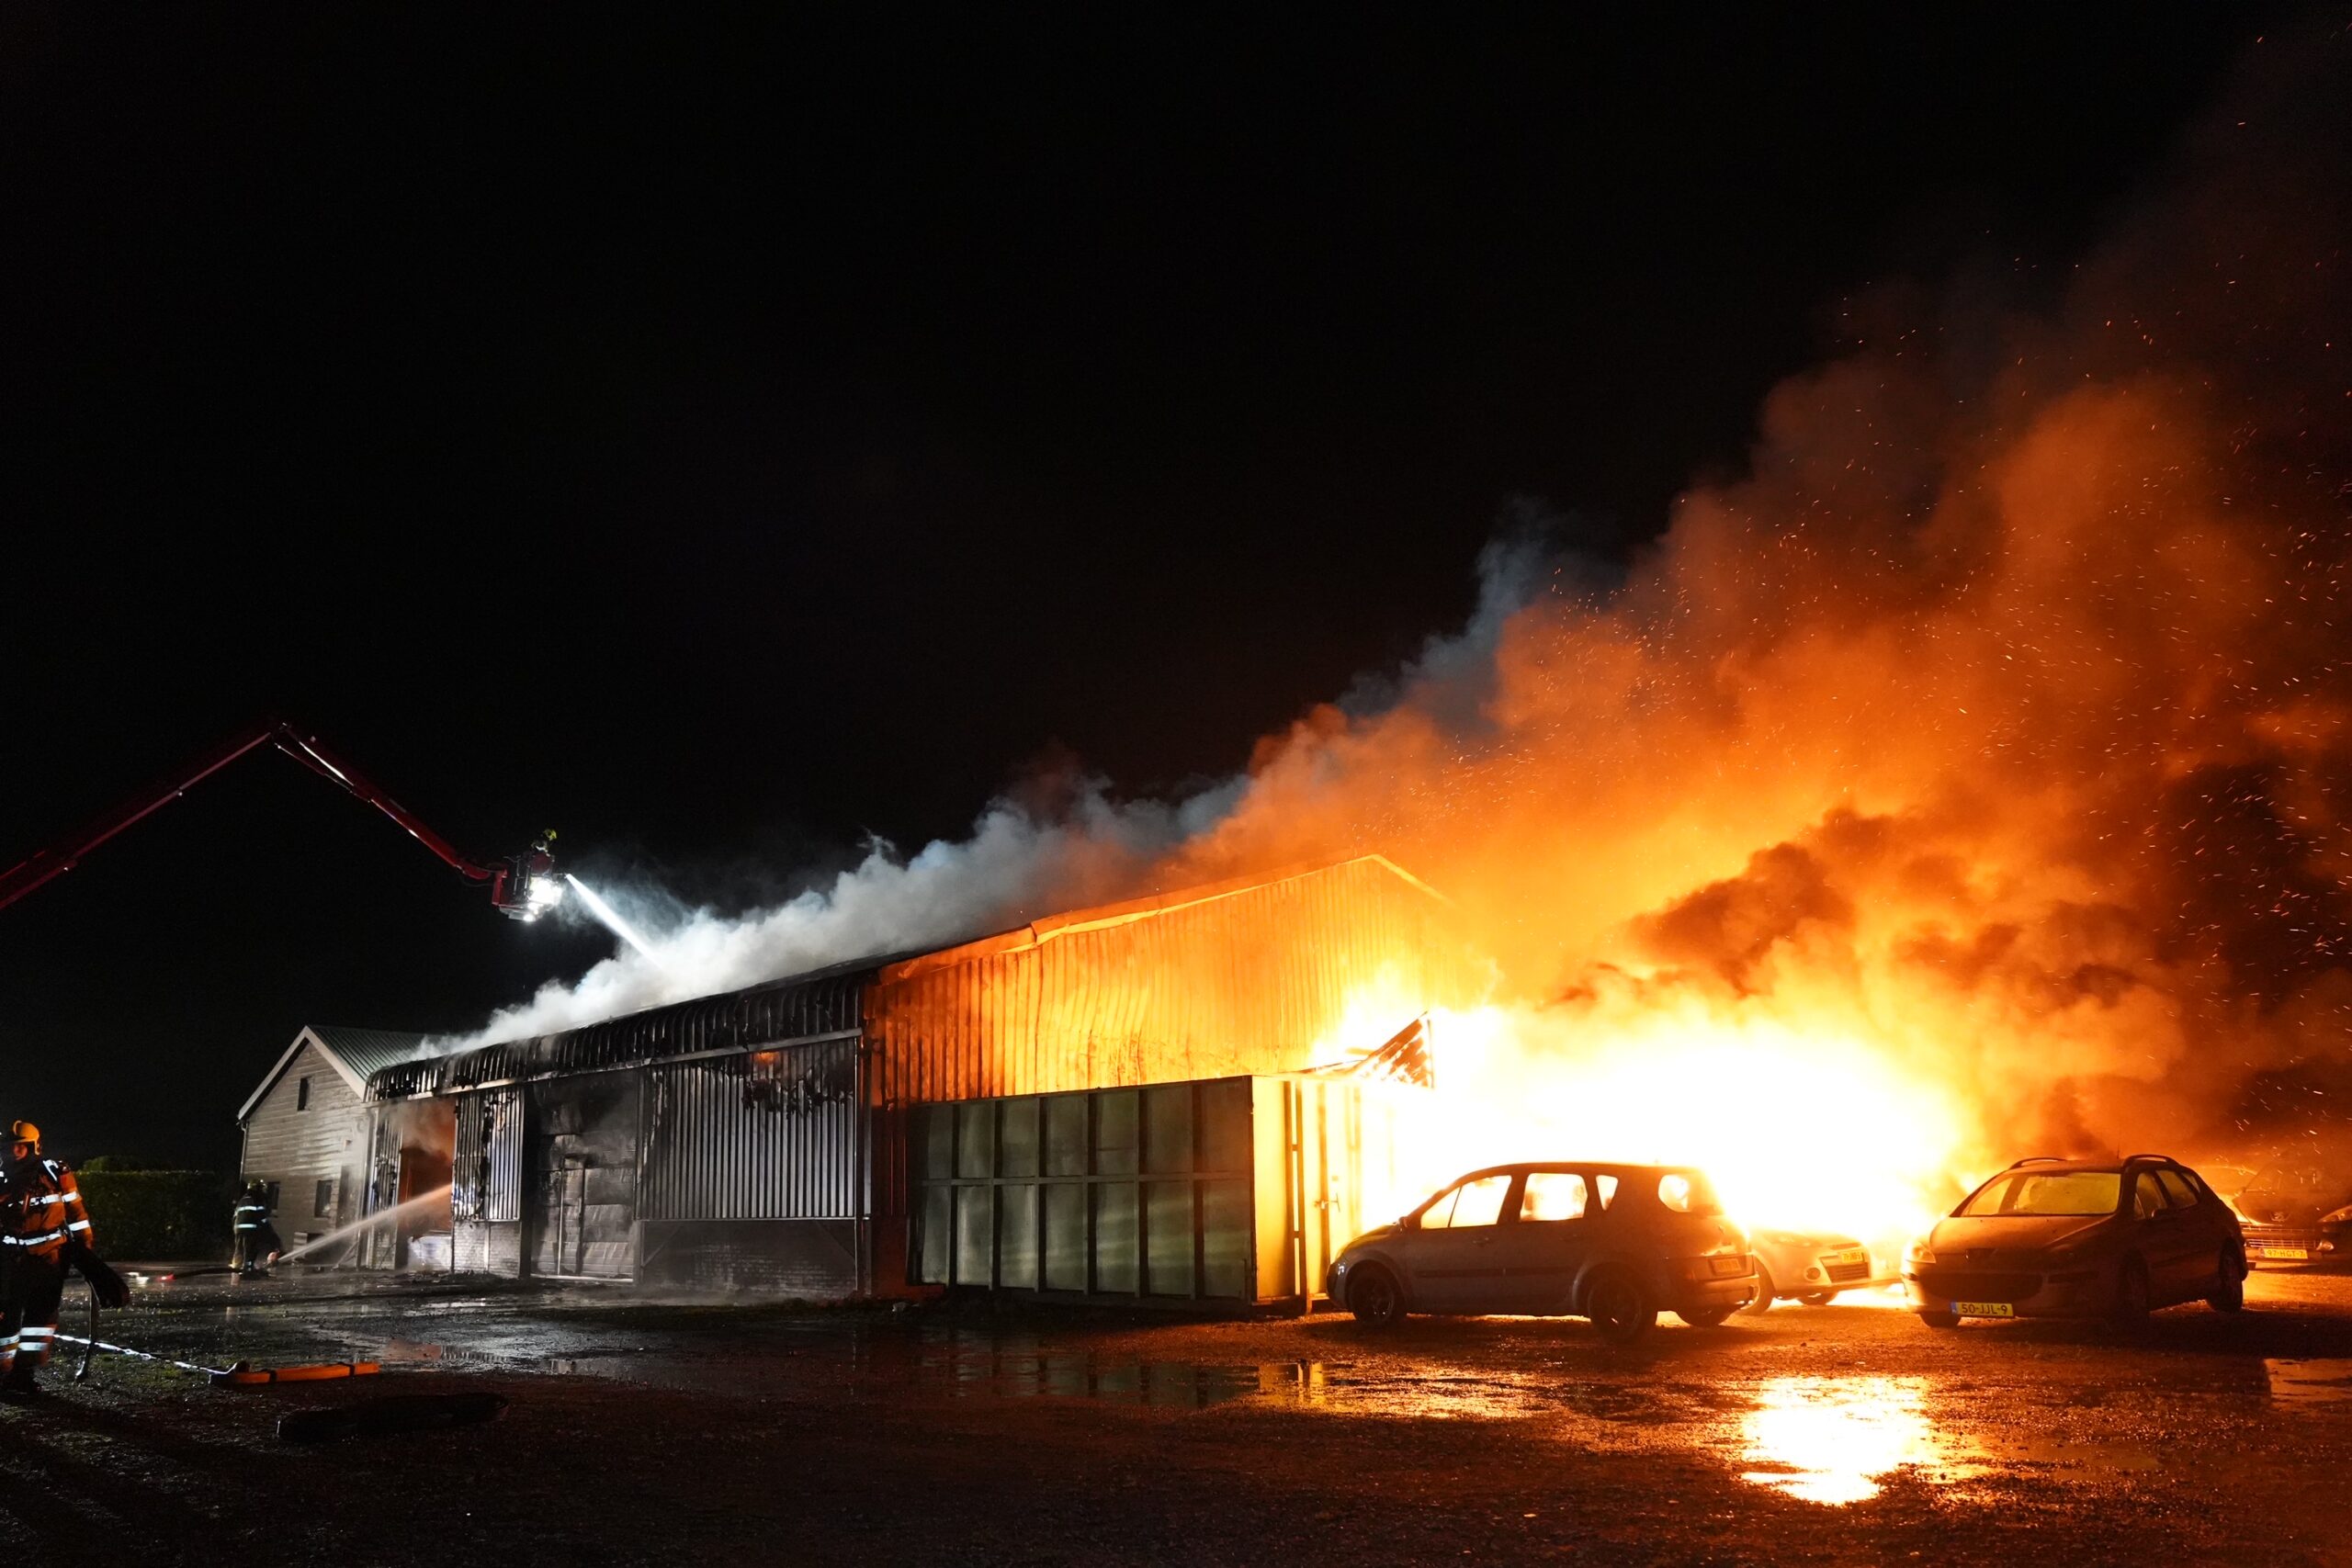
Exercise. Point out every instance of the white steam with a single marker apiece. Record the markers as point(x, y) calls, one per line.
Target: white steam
point(1012, 869)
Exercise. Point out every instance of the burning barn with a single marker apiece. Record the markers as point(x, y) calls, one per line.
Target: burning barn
point(1189, 1095)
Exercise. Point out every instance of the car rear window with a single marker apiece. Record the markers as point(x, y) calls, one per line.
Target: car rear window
point(2047, 1192)
point(1687, 1193)
point(1553, 1195)
point(2176, 1189)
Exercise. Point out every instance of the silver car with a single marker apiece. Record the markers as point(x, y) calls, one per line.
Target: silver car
point(1811, 1267)
point(1613, 1242)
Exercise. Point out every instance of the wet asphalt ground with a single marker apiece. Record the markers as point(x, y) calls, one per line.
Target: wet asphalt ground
point(641, 1432)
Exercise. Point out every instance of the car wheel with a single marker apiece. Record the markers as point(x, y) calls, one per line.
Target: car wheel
point(2230, 1297)
point(1819, 1298)
point(1375, 1298)
point(1618, 1307)
point(1762, 1301)
point(2131, 1300)
point(1713, 1317)
point(1941, 1319)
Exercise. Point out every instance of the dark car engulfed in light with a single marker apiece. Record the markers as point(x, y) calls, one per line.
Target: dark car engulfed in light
point(1613, 1242)
point(2296, 1212)
point(2110, 1239)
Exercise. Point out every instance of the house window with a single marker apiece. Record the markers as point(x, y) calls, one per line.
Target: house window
point(302, 1095)
point(323, 1202)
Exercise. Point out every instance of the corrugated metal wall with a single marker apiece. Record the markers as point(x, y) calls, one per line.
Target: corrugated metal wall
point(1246, 982)
point(768, 1136)
point(486, 1172)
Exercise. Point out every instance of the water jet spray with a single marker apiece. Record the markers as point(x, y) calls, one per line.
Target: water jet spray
point(611, 916)
point(422, 1201)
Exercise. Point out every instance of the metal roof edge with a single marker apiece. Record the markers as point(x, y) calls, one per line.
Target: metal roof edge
point(1101, 917)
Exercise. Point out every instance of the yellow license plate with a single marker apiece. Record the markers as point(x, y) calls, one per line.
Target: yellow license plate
point(2282, 1252)
point(1983, 1309)
point(1855, 1255)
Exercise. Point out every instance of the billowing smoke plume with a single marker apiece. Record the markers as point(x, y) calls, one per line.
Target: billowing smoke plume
point(1994, 730)
point(2000, 718)
point(1017, 864)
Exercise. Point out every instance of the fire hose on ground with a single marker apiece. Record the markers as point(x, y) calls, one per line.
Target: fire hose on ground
point(383, 1416)
point(237, 1374)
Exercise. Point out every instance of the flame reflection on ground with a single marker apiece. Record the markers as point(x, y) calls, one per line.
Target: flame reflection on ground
point(1830, 1440)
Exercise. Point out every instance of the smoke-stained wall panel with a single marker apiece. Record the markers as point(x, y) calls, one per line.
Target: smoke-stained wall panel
point(579, 1188)
point(815, 1259)
point(767, 1135)
point(486, 1170)
point(1251, 980)
point(486, 1249)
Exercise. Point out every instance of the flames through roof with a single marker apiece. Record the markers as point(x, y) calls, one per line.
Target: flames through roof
point(822, 1003)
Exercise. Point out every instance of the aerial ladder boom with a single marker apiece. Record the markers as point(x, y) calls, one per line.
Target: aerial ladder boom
point(523, 887)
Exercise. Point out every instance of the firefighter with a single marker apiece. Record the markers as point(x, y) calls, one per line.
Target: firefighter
point(43, 1231)
point(257, 1243)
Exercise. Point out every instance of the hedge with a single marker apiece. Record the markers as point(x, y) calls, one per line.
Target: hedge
point(155, 1215)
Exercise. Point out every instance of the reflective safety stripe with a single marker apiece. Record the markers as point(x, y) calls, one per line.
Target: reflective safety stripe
point(31, 1333)
point(49, 1197)
point(33, 1240)
point(84, 1224)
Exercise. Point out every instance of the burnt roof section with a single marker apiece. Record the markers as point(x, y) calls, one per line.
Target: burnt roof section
point(800, 1007)
point(826, 1001)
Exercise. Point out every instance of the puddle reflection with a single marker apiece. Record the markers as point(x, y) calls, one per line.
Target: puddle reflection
point(992, 1371)
point(978, 1365)
point(1831, 1439)
point(2309, 1381)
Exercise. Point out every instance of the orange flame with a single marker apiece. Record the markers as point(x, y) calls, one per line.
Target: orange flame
point(1971, 779)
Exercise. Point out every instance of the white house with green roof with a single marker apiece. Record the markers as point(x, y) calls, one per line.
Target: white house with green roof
point(305, 1132)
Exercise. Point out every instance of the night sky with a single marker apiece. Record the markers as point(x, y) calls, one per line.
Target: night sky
point(723, 445)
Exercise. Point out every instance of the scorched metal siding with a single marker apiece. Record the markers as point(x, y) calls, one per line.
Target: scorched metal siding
point(770, 1136)
point(1251, 981)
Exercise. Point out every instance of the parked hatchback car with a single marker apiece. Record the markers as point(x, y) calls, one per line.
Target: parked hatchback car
point(1810, 1266)
point(1613, 1242)
point(2080, 1239)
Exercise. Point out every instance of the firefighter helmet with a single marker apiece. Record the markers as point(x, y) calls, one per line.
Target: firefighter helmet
point(24, 1132)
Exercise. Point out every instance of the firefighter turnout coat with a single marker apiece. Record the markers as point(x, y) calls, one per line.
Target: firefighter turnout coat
point(40, 1211)
point(42, 1226)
